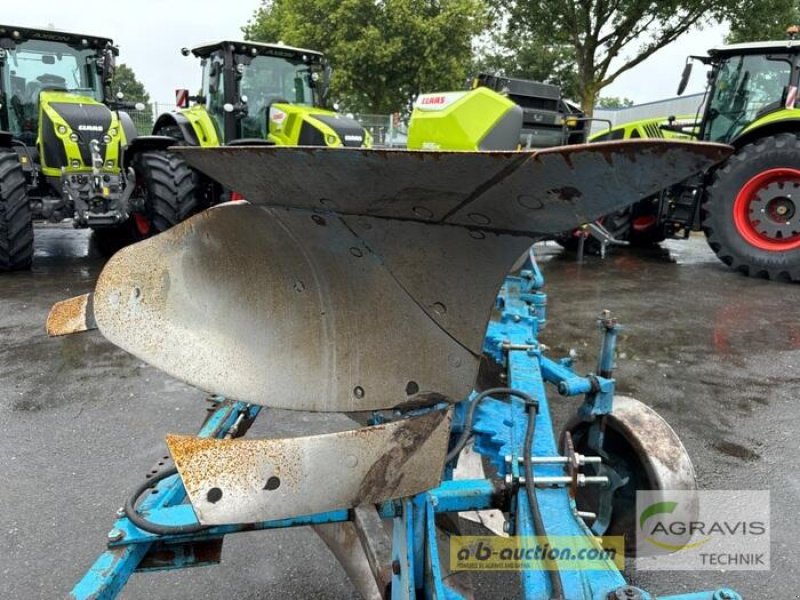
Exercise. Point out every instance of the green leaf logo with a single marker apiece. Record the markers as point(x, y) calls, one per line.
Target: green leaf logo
point(668, 508)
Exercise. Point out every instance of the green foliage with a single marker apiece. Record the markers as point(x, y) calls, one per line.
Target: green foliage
point(383, 53)
point(762, 20)
point(599, 40)
point(125, 81)
point(613, 102)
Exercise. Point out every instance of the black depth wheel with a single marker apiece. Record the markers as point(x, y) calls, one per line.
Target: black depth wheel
point(642, 452)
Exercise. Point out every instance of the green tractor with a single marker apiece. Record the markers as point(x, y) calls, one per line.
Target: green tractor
point(69, 151)
point(255, 94)
point(749, 206)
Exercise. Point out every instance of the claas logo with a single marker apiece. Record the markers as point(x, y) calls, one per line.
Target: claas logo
point(433, 100)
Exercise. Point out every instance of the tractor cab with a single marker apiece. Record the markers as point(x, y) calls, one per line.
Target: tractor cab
point(256, 93)
point(748, 85)
point(54, 86)
point(749, 81)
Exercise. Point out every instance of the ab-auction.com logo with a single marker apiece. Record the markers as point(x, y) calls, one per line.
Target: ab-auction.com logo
point(496, 553)
point(703, 529)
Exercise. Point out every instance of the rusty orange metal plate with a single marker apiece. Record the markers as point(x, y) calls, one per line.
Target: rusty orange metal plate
point(245, 481)
point(73, 315)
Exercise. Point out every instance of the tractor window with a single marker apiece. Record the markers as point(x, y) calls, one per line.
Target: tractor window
point(744, 86)
point(270, 79)
point(214, 90)
point(35, 66)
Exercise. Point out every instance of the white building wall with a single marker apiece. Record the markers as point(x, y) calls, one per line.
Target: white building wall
point(679, 105)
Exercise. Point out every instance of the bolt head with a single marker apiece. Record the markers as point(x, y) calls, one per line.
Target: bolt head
point(115, 535)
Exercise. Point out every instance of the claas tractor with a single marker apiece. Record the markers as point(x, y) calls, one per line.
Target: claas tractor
point(256, 94)
point(69, 151)
point(497, 113)
point(749, 206)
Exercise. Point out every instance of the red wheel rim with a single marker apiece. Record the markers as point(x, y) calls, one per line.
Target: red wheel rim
point(142, 223)
point(765, 212)
point(643, 223)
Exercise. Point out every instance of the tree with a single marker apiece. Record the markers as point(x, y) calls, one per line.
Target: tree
point(613, 102)
point(759, 20)
point(125, 81)
point(607, 37)
point(383, 53)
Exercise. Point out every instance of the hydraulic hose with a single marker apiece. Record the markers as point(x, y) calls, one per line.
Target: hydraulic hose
point(157, 528)
point(530, 490)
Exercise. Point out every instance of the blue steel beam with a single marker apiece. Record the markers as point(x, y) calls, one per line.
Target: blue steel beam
point(111, 571)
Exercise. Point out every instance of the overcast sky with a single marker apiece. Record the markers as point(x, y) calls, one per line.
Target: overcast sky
point(151, 33)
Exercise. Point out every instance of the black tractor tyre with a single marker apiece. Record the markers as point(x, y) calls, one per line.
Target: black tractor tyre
point(167, 185)
point(648, 237)
point(751, 211)
point(16, 217)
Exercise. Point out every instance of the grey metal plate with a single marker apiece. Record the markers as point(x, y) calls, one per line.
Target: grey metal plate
point(537, 193)
point(246, 481)
point(352, 306)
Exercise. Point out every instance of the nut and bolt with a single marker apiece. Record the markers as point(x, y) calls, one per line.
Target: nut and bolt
point(627, 592)
point(115, 535)
point(396, 567)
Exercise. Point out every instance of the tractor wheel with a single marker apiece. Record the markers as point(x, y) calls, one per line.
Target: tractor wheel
point(618, 224)
point(167, 185)
point(16, 218)
point(646, 228)
point(751, 213)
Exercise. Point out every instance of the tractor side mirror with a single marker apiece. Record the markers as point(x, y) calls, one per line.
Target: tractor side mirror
point(323, 82)
point(109, 65)
point(687, 71)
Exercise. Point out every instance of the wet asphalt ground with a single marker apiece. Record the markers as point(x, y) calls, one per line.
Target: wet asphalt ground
point(717, 354)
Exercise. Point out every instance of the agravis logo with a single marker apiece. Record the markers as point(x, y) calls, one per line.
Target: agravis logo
point(710, 529)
